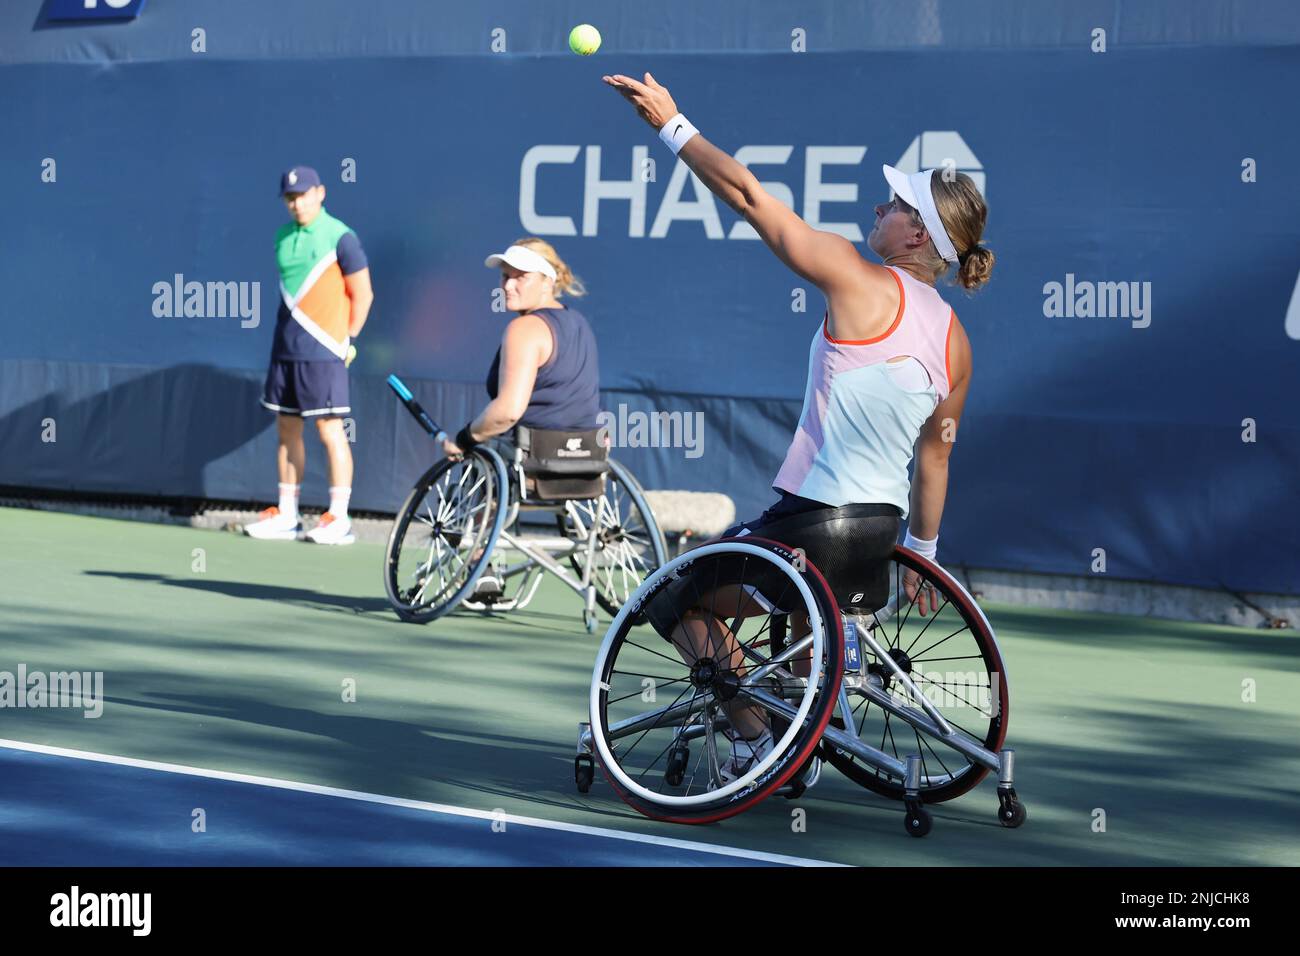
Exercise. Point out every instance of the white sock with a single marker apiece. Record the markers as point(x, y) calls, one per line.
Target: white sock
point(339, 495)
point(288, 500)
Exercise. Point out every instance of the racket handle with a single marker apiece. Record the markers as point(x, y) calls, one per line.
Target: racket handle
point(414, 407)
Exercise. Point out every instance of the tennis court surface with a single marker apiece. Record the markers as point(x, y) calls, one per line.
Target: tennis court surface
point(228, 666)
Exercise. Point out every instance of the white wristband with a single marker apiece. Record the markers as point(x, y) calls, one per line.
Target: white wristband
point(926, 549)
point(677, 132)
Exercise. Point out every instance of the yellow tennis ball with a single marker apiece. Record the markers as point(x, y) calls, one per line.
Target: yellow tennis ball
point(584, 39)
point(352, 355)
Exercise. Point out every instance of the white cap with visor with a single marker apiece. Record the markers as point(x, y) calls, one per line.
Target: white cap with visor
point(914, 189)
point(523, 259)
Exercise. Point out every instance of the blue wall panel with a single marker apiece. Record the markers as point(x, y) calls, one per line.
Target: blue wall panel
point(1080, 433)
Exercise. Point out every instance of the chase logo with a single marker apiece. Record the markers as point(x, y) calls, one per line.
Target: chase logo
point(943, 149)
point(939, 149)
point(93, 9)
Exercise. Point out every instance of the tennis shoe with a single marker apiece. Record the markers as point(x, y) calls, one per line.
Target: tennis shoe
point(745, 755)
point(271, 525)
point(332, 530)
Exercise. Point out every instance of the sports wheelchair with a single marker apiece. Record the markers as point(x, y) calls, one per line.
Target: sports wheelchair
point(453, 538)
point(909, 705)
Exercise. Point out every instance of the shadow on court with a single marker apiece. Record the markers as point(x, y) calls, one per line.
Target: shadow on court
point(401, 757)
point(257, 592)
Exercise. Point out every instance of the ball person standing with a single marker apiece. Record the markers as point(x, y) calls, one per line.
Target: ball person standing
point(325, 296)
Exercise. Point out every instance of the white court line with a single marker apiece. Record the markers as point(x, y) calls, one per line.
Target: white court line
point(757, 855)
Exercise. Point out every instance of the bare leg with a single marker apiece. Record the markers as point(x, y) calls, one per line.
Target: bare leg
point(703, 632)
point(291, 457)
point(338, 448)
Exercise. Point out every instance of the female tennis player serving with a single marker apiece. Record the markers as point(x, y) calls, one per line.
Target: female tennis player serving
point(888, 374)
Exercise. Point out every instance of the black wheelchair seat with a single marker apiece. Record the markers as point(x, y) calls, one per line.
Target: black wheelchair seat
point(561, 465)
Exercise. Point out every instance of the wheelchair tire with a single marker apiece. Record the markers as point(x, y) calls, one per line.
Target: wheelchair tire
point(472, 490)
point(943, 777)
point(629, 652)
point(628, 531)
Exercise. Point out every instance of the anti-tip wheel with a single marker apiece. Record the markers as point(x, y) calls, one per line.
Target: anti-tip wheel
point(584, 772)
point(679, 759)
point(1011, 812)
point(917, 821)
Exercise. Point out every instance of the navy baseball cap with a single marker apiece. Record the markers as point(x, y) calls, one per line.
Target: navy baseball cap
point(298, 180)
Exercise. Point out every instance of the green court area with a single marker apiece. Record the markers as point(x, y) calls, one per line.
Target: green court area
point(230, 654)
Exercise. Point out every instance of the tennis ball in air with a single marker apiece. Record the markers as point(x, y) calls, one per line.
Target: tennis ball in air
point(352, 355)
point(584, 39)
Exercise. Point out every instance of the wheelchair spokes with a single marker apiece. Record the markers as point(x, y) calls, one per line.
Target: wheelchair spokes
point(942, 668)
point(443, 535)
point(664, 713)
point(628, 543)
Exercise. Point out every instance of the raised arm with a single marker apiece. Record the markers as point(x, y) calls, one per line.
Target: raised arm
point(822, 258)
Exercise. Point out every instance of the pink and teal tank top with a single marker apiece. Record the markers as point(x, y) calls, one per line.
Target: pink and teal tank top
point(863, 414)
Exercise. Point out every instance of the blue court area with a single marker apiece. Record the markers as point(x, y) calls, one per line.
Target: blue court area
point(58, 810)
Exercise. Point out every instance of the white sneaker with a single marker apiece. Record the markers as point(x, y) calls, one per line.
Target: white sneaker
point(273, 526)
point(332, 530)
point(744, 755)
point(491, 583)
point(488, 585)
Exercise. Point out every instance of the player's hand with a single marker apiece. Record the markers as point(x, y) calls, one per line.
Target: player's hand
point(653, 102)
point(921, 593)
point(452, 450)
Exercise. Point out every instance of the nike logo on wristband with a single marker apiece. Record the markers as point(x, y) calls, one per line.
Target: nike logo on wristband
point(679, 126)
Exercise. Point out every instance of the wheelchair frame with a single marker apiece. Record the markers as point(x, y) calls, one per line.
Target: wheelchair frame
point(536, 548)
point(540, 552)
point(870, 684)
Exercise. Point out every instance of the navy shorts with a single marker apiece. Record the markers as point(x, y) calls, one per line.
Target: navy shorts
point(850, 545)
point(307, 388)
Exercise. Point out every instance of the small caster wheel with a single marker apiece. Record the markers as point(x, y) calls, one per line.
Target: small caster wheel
point(584, 772)
point(589, 621)
point(1011, 812)
point(678, 759)
point(796, 789)
point(917, 822)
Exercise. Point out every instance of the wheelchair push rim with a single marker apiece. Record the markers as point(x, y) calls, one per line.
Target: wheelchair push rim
point(443, 537)
point(953, 657)
point(634, 741)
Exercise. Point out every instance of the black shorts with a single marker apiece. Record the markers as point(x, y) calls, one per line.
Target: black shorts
point(307, 388)
point(850, 546)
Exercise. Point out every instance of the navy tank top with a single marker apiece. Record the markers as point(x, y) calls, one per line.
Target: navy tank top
point(566, 395)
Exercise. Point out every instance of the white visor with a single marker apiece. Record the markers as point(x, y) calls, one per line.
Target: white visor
point(523, 259)
point(914, 189)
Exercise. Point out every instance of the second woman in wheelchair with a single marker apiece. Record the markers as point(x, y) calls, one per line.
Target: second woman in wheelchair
point(546, 372)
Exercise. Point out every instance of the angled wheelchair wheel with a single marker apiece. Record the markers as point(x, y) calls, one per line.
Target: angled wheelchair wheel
point(443, 537)
point(629, 544)
point(660, 712)
point(953, 658)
